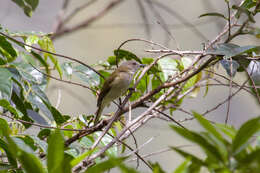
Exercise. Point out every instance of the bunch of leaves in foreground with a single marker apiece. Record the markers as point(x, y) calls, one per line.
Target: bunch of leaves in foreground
point(226, 149)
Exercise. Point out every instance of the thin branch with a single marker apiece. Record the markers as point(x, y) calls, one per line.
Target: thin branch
point(88, 21)
point(77, 10)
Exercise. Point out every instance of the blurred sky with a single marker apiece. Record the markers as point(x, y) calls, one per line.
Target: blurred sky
point(98, 41)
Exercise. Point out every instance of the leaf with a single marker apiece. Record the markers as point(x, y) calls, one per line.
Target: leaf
point(227, 129)
point(81, 157)
point(157, 168)
point(27, 58)
point(245, 132)
point(190, 156)
point(231, 50)
point(5, 104)
point(242, 9)
point(207, 125)
point(4, 146)
point(112, 60)
point(230, 66)
point(30, 40)
point(211, 151)
point(27, 5)
point(30, 162)
point(55, 153)
point(124, 54)
point(168, 66)
point(5, 82)
point(58, 117)
point(86, 75)
point(41, 143)
point(7, 50)
point(44, 133)
point(250, 158)
point(36, 117)
point(41, 60)
point(213, 14)
point(67, 69)
point(105, 165)
point(46, 44)
point(183, 168)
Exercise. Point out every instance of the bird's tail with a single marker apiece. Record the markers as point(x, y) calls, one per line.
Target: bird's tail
point(98, 114)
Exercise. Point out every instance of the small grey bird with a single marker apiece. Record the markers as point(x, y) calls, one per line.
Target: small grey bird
point(116, 85)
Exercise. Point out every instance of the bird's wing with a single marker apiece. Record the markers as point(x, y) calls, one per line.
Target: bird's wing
point(105, 89)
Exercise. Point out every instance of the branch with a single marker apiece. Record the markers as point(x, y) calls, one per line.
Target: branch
point(88, 21)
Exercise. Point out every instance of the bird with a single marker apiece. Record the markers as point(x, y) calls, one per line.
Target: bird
point(116, 85)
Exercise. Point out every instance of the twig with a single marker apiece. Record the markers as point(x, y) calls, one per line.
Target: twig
point(88, 21)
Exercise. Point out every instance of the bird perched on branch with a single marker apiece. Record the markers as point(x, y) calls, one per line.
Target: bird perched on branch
point(116, 85)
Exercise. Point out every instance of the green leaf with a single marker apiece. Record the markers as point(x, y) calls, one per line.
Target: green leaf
point(27, 58)
point(168, 66)
point(246, 131)
point(44, 133)
point(5, 82)
point(7, 50)
point(41, 60)
point(111, 60)
point(46, 44)
point(58, 117)
point(30, 40)
point(41, 143)
point(187, 155)
point(211, 151)
point(157, 168)
point(4, 146)
point(124, 54)
point(5, 104)
point(86, 75)
point(4, 128)
point(213, 14)
point(250, 158)
point(27, 5)
point(227, 130)
point(30, 162)
point(55, 154)
point(81, 157)
point(207, 125)
point(183, 168)
point(67, 69)
point(105, 165)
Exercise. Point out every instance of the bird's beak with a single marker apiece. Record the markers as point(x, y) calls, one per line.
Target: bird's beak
point(142, 65)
